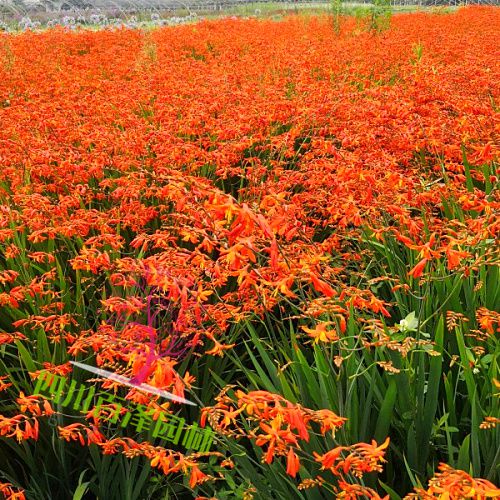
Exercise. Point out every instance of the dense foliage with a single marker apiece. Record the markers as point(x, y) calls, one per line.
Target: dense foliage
point(313, 214)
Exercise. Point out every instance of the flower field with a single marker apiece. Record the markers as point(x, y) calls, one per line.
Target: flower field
point(292, 225)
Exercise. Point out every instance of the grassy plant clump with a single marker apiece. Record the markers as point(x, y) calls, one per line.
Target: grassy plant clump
point(336, 13)
point(291, 226)
point(380, 17)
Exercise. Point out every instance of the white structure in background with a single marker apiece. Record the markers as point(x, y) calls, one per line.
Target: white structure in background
point(191, 5)
point(32, 4)
point(53, 5)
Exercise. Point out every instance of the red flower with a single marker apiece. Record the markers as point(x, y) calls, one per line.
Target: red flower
point(418, 270)
point(292, 463)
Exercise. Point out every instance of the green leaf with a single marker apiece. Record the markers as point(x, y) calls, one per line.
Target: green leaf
point(386, 412)
point(463, 462)
point(25, 356)
point(82, 488)
point(390, 491)
point(431, 396)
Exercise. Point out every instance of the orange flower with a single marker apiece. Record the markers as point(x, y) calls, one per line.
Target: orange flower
point(196, 476)
point(322, 286)
point(321, 334)
point(450, 484)
point(488, 320)
point(4, 385)
point(11, 493)
point(454, 257)
point(360, 458)
point(293, 463)
point(329, 420)
point(328, 459)
point(218, 349)
point(275, 433)
point(418, 270)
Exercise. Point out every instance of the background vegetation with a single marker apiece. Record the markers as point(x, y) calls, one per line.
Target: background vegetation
point(315, 209)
